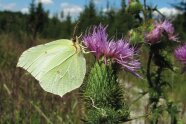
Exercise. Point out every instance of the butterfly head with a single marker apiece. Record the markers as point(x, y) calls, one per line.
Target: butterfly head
point(79, 47)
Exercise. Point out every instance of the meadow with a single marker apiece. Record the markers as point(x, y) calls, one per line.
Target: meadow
point(23, 101)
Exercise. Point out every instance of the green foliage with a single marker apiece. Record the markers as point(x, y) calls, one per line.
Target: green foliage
point(104, 97)
point(123, 23)
point(12, 22)
point(136, 37)
point(180, 21)
point(88, 17)
point(37, 23)
point(135, 6)
point(36, 20)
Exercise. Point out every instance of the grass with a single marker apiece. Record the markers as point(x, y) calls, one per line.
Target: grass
point(22, 100)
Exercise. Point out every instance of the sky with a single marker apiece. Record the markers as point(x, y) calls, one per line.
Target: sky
point(74, 7)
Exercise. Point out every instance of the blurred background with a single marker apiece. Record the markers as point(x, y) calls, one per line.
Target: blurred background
point(25, 23)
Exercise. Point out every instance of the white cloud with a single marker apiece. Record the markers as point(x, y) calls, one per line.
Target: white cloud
point(97, 1)
point(105, 10)
point(9, 6)
point(25, 10)
point(168, 12)
point(51, 15)
point(71, 9)
point(45, 1)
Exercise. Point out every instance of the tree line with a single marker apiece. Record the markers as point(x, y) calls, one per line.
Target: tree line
point(37, 22)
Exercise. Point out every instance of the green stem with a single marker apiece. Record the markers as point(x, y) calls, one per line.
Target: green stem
point(145, 10)
point(145, 5)
point(154, 85)
point(149, 69)
point(158, 83)
point(160, 13)
point(142, 95)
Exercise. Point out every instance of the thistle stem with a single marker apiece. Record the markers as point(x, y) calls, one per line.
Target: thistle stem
point(149, 69)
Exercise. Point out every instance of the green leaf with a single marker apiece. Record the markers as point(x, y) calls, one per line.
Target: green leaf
point(59, 66)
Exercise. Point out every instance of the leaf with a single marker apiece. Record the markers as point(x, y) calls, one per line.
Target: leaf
point(59, 66)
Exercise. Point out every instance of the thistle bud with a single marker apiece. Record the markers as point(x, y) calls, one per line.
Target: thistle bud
point(134, 6)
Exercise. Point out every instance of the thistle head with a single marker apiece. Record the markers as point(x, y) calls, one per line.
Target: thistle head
point(161, 29)
point(96, 40)
point(180, 54)
point(118, 51)
point(123, 54)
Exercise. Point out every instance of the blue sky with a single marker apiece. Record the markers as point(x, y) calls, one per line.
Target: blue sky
point(73, 6)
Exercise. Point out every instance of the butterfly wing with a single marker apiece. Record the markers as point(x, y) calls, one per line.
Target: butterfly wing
point(67, 76)
point(56, 65)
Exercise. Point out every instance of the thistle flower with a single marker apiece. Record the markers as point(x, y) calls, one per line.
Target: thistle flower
point(121, 53)
point(180, 54)
point(154, 36)
point(116, 51)
point(161, 29)
point(96, 41)
point(169, 29)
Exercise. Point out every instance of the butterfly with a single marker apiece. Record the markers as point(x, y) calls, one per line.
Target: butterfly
point(59, 66)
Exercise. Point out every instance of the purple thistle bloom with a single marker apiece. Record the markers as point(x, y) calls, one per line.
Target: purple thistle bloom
point(180, 54)
point(154, 36)
point(96, 41)
point(161, 29)
point(119, 52)
point(169, 29)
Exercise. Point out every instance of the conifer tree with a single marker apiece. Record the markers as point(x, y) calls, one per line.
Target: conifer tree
point(36, 20)
point(88, 17)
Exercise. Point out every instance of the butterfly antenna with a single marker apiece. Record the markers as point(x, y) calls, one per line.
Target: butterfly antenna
point(74, 32)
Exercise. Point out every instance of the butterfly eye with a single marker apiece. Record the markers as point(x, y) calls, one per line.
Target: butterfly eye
point(73, 39)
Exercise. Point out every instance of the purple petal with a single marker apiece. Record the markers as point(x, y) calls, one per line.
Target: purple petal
point(180, 54)
point(121, 52)
point(96, 40)
point(161, 29)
